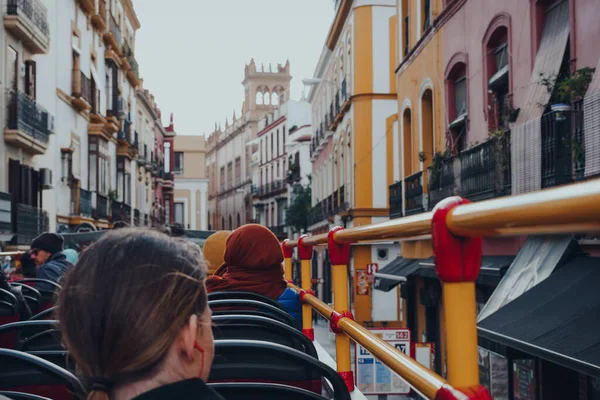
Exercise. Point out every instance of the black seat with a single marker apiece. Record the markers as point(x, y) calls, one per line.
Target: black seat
point(60, 358)
point(246, 296)
point(234, 306)
point(243, 391)
point(32, 335)
point(47, 296)
point(252, 327)
point(257, 361)
point(44, 315)
point(32, 296)
point(27, 373)
point(256, 313)
point(22, 396)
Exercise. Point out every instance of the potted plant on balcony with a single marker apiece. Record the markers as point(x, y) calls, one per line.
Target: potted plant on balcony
point(564, 91)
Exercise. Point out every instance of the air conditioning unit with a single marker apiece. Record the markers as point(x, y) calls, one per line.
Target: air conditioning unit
point(50, 123)
point(46, 178)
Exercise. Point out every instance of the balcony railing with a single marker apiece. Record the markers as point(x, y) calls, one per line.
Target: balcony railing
point(84, 206)
point(6, 212)
point(271, 187)
point(82, 87)
point(413, 194)
point(396, 200)
point(115, 210)
point(25, 115)
point(137, 218)
point(441, 182)
point(34, 10)
point(167, 176)
point(102, 208)
point(563, 151)
point(343, 198)
point(30, 222)
point(485, 169)
point(278, 230)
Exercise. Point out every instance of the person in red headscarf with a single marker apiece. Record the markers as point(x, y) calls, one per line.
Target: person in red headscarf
point(253, 263)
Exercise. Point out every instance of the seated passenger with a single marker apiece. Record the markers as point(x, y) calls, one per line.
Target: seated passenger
point(253, 258)
point(51, 262)
point(214, 250)
point(134, 316)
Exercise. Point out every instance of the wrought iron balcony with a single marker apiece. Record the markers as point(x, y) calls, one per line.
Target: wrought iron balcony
point(441, 182)
point(137, 219)
point(30, 222)
point(6, 224)
point(82, 91)
point(28, 21)
point(563, 151)
point(102, 207)
point(81, 202)
point(26, 120)
point(395, 198)
point(413, 194)
point(486, 169)
point(279, 231)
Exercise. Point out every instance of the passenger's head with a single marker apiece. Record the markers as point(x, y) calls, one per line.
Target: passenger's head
point(72, 256)
point(214, 250)
point(253, 246)
point(133, 313)
point(45, 246)
point(28, 268)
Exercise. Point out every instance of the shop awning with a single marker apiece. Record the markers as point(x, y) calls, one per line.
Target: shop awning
point(537, 259)
point(557, 320)
point(400, 267)
point(405, 267)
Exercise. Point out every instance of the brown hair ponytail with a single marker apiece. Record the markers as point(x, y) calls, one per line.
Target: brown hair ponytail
point(124, 303)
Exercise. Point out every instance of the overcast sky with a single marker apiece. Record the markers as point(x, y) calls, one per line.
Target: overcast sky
point(192, 53)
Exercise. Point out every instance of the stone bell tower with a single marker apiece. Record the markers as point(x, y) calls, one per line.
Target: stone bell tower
point(265, 88)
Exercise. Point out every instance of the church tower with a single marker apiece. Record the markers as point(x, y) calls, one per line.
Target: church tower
point(265, 88)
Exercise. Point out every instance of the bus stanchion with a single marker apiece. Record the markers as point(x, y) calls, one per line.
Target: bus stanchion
point(339, 255)
point(457, 264)
point(288, 253)
point(305, 255)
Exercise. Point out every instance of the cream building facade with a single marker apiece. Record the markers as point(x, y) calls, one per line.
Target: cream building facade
point(229, 151)
point(354, 109)
point(191, 184)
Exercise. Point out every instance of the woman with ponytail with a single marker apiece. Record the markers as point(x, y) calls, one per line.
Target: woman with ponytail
point(134, 316)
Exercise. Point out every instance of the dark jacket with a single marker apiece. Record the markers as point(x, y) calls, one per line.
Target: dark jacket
point(189, 389)
point(53, 270)
point(290, 299)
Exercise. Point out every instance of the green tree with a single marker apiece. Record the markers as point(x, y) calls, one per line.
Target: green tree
point(300, 206)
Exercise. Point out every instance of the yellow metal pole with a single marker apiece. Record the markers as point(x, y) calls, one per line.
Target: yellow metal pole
point(305, 255)
point(339, 274)
point(288, 254)
point(339, 255)
point(461, 338)
point(457, 262)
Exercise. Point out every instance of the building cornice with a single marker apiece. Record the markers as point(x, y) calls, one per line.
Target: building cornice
point(135, 22)
point(141, 95)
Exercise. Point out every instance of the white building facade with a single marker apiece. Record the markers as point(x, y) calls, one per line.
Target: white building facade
point(283, 158)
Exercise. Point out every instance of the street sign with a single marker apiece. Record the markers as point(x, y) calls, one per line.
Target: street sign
point(372, 376)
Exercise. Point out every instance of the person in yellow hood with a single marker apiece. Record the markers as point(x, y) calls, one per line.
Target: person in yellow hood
point(214, 250)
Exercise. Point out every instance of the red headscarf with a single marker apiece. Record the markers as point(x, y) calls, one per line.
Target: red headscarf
point(253, 258)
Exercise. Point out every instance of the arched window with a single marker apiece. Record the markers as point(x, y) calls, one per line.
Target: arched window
point(230, 223)
point(259, 98)
point(427, 126)
point(410, 147)
point(267, 98)
point(496, 72)
point(239, 220)
point(274, 99)
point(457, 100)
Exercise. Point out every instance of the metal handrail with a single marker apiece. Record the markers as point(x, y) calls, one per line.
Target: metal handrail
point(423, 380)
point(551, 211)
